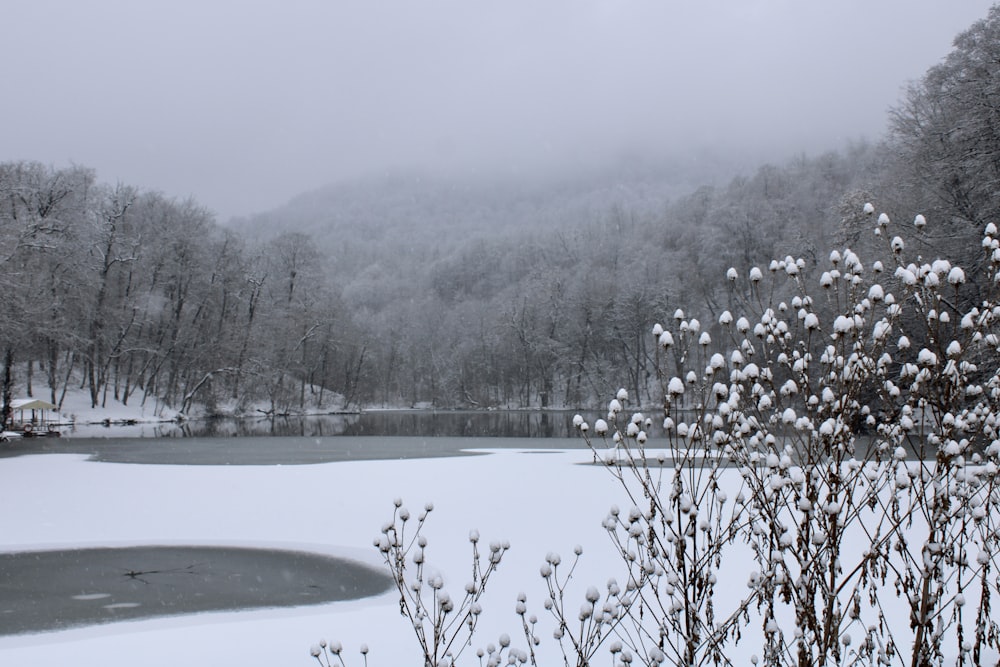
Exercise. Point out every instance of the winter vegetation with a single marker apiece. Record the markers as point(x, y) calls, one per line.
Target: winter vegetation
point(805, 447)
point(410, 290)
point(846, 443)
point(831, 422)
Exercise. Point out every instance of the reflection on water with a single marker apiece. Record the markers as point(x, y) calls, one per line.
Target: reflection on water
point(311, 440)
point(484, 424)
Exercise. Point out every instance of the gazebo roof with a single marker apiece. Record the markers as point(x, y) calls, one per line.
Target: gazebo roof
point(31, 404)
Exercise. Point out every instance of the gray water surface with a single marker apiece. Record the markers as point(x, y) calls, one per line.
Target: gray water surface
point(54, 590)
point(276, 450)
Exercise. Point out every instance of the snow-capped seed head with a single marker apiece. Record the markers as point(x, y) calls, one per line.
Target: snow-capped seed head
point(897, 244)
point(868, 208)
point(473, 535)
point(919, 221)
point(622, 394)
point(843, 325)
point(364, 649)
point(614, 407)
point(600, 427)
point(398, 502)
point(725, 318)
point(678, 314)
point(705, 340)
point(956, 276)
point(756, 275)
point(577, 420)
point(926, 358)
point(883, 219)
point(657, 329)
point(428, 507)
point(666, 339)
point(732, 275)
point(835, 257)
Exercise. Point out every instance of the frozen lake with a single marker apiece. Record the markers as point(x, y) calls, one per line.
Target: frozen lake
point(68, 501)
point(59, 589)
point(55, 589)
point(270, 450)
point(425, 423)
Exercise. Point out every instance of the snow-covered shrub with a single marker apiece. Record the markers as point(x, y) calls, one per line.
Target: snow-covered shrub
point(830, 450)
point(844, 438)
point(444, 625)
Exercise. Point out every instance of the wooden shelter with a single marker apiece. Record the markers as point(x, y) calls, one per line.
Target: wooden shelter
point(30, 416)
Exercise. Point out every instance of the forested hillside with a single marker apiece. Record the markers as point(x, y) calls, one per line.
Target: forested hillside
point(468, 291)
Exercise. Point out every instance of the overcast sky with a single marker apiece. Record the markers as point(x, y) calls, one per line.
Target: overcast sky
point(243, 104)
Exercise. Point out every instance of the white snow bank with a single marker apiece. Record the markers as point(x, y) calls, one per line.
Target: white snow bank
point(540, 502)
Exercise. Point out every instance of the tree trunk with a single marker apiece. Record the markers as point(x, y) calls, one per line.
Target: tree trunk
point(8, 383)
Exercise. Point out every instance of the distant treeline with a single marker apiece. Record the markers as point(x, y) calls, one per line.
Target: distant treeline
point(407, 291)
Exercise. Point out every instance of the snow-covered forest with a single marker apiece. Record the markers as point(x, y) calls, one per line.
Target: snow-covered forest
point(411, 290)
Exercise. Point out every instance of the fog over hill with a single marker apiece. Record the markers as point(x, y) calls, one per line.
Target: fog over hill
point(429, 203)
point(458, 286)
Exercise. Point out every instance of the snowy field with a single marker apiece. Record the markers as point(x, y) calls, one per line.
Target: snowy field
point(540, 502)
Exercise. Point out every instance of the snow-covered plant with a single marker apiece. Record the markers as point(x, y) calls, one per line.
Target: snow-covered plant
point(831, 450)
point(580, 633)
point(845, 442)
point(443, 625)
point(331, 654)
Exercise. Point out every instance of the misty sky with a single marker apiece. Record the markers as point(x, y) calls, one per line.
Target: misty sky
point(243, 104)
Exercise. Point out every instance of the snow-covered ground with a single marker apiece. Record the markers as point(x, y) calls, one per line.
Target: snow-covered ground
point(538, 501)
